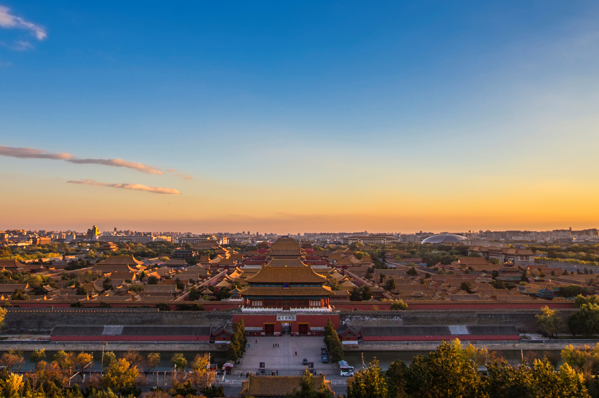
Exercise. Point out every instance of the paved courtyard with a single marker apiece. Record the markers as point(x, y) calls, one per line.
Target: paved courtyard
point(283, 358)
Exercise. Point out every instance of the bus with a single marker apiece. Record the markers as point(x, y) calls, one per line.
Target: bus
point(345, 369)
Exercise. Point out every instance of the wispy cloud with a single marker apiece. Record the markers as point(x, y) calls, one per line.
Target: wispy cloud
point(31, 153)
point(11, 21)
point(22, 45)
point(135, 187)
point(184, 176)
point(119, 163)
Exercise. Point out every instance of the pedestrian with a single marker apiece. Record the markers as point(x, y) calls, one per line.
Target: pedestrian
point(277, 372)
point(296, 353)
point(256, 341)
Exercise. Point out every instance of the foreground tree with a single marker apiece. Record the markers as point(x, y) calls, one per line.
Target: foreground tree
point(368, 383)
point(121, 377)
point(201, 376)
point(307, 389)
point(396, 380)
point(446, 372)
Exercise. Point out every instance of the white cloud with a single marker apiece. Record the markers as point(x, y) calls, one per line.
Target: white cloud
point(31, 153)
point(10, 21)
point(135, 187)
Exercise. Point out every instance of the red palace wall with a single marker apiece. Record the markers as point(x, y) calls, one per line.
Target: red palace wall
point(437, 338)
point(346, 305)
point(208, 306)
point(129, 338)
point(449, 305)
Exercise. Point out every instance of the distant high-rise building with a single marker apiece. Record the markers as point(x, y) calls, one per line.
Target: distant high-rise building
point(93, 233)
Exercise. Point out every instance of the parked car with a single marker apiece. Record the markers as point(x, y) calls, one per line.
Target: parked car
point(324, 355)
point(305, 361)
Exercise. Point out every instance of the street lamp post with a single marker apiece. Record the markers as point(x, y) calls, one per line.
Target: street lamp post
point(102, 371)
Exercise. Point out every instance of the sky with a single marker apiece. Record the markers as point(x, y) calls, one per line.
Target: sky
point(299, 116)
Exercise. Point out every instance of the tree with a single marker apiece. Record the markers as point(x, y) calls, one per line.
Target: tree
point(498, 284)
point(549, 320)
point(194, 294)
point(331, 340)
point(465, 286)
point(179, 361)
point(368, 383)
point(12, 360)
point(580, 300)
point(163, 307)
point(366, 293)
point(242, 336)
point(390, 284)
point(107, 284)
point(446, 372)
point(136, 288)
point(81, 291)
point(570, 291)
point(396, 380)
point(213, 391)
point(121, 377)
point(223, 293)
point(238, 341)
point(108, 359)
point(307, 389)
point(135, 359)
point(152, 280)
point(38, 355)
point(355, 295)
point(412, 272)
point(399, 305)
point(19, 295)
point(2, 316)
point(201, 376)
point(585, 321)
point(152, 361)
point(585, 360)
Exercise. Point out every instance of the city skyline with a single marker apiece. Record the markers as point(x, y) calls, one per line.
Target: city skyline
point(299, 118)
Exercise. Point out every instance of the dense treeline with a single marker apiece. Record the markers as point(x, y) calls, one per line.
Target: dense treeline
point(452, 371)
point(120, 377)
point(584, 322)
point(575, 251)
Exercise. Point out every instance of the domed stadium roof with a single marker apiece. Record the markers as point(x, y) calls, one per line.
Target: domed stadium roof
point(444, 238)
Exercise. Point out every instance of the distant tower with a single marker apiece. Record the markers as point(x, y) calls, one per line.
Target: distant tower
point(93, 233)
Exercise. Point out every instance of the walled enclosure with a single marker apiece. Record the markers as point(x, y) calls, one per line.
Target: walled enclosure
point(41, 321)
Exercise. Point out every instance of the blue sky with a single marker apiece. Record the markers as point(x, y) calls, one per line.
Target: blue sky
point(377, 114)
